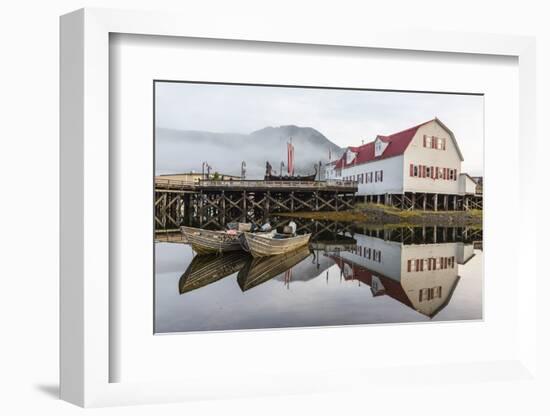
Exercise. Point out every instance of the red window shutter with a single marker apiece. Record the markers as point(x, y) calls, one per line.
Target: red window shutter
point(446, 174)
point(434, 140)
point(444, 143)
point(411, 170)
point(424, 140)
point(409, 265)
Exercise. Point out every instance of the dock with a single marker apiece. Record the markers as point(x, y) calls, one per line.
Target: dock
point(216, 203)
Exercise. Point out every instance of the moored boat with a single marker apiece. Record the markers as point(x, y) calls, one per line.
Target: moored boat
point(208, 241)
point(261, 245)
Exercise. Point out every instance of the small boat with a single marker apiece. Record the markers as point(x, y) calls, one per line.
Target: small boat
point(210, 268)
point(296, 178)
point(259, 270)
point(272, 244)
point(207, 241)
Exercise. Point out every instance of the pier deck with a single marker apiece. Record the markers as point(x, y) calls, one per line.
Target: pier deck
point(163, 183)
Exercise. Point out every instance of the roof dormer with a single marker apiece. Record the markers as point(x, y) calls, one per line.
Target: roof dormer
point(379, 146)
point(350, 156)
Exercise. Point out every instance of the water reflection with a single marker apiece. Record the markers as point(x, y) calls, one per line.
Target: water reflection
point(210, 268)
point(422, 277)
point(406, 269)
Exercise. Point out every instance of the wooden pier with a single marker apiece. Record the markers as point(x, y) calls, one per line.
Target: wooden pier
point(427, 201)
point(216, 203)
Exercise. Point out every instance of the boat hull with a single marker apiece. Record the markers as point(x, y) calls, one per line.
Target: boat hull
point(262, 246)
point(208, 242)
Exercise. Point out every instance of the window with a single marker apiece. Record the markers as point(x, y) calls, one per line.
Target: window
point(416, 171)
point(428, 141)
point(423, 295)
point(428, 172)
point(432, 142)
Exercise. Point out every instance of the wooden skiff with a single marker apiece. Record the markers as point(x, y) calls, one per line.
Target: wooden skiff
point(261, 245)
point(207, 241)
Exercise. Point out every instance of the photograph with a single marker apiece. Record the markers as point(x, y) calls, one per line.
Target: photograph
point(282, 206)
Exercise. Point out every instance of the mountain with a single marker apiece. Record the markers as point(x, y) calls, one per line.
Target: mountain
point(185, 150)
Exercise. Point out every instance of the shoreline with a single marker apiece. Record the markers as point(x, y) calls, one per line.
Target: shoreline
point(380, 215)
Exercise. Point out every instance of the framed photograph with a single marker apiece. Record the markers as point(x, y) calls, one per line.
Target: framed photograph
point(285, 227)
point(259, 202)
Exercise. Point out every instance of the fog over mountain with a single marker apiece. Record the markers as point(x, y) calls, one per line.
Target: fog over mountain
point(178, 151)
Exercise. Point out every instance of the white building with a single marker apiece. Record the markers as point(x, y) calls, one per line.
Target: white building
point(424, 159)
point(421, 276)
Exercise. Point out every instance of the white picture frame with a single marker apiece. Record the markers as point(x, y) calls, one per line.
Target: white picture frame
point(85, 220)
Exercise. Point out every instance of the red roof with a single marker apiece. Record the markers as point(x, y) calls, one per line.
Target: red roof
point(393, 288)
point(397, 144)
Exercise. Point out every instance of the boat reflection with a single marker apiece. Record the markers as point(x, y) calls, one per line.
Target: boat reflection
point(210, 268)
point(261, 269)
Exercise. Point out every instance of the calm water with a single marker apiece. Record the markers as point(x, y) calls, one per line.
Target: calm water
point(408, 276)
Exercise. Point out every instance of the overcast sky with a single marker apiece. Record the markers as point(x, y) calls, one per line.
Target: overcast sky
point(343, 116)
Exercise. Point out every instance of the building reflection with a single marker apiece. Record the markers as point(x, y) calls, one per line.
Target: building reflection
point(421, 275)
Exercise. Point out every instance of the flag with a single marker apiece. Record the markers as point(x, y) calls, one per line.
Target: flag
point(290, 157)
